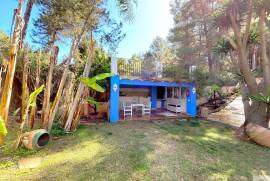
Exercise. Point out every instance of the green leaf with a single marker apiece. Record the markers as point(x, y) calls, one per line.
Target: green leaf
point(97, 87)
point(103, 76)
point(92, 101)
point(3, 129)
point(16, 112)
point(92, 82)
point(261, 98)
point(87, 81)
point(34, 95)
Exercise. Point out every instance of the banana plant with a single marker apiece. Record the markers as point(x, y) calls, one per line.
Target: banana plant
point(30, 103)
point(93, 84)
point(3, 130)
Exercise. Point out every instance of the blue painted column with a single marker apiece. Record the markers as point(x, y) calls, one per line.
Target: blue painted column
point(154, 97)
point(114, 99)
point(191, 102)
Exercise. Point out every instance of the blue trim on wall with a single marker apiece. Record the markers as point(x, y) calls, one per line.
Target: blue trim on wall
point(114, 99)
point(133, 86)
point(154, 98)
point(154, 83)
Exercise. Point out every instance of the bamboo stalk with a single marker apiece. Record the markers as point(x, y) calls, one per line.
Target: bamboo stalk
point(34, 107)
point(47, 94)
point(7, 89)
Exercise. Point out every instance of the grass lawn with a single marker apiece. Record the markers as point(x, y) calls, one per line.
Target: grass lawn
point(142, 150)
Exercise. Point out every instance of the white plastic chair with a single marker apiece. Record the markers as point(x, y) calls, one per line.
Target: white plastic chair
point(127, 109)
point(147, 108)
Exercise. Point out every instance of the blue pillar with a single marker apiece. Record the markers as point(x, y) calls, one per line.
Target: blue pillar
point(114, 99)
point(154, 98)
point(191, 102)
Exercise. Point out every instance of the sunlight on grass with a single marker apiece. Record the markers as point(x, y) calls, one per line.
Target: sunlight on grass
point(144, 151)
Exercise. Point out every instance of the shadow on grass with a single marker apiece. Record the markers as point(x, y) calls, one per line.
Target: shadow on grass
point(93, 153)
point(216, 153)
point(201, 151)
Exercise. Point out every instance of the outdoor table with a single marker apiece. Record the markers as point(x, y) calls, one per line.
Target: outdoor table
point(137, 105)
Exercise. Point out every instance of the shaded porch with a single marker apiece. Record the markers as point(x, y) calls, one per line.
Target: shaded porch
point(166, 99)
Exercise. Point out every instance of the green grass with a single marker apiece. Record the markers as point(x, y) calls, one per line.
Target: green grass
point(142, 150)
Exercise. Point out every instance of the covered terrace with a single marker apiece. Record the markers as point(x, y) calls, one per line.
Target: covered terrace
point(166, 99)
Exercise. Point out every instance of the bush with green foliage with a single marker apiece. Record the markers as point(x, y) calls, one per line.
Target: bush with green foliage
point(214, 89)
point(58, 130)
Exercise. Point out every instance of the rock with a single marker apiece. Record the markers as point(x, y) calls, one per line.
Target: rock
point(29, 162)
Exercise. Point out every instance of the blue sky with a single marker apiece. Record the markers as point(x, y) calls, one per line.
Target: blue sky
point(152, 18)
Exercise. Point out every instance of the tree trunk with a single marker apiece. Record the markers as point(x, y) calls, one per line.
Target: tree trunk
point(76, 120)
point(47, 93)
point(34, 107)
point(69, 99)
point(265, 59)
point(1, 70)
point(25, 90)
point(27, 15)
point(254, 112)
point(7, 89)
point(241, 46)
point(51, 41)
point(56, 101)
point(254, 60)
point(75, 42)
point(77, 98)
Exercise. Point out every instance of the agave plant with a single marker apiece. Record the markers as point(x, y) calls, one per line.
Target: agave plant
point(261, 98)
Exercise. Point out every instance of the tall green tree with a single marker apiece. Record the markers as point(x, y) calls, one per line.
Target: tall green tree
point(193, 35)
point(162, 54)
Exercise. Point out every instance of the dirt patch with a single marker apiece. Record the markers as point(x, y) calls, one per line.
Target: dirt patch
point(29, 162)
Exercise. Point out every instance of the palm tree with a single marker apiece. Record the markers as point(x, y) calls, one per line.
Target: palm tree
point(27, 15)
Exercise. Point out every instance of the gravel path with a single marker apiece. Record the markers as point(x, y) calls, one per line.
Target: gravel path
point(232, 114)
